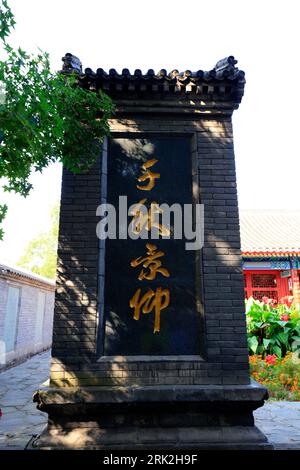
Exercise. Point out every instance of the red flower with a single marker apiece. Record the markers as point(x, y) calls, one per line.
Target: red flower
point(265, 300)
point(271, 359)
point(287, 300)
point(285, 317)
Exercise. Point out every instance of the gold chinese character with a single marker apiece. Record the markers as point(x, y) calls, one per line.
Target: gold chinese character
point(150, 262)
point(147, 220)
point(148, 175)
point(158, 300)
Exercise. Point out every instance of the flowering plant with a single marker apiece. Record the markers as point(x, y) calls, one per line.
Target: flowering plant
point(280, 376)
point(271, 359)
point(287, 300)
point(285, 317)
point(272, 329)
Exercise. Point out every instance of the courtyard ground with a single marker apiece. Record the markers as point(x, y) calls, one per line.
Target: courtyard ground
point(280, 421)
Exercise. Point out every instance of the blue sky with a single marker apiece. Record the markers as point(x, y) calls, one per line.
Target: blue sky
point(264, 37)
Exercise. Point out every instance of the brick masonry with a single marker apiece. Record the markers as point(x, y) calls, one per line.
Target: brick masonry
point(75, 361)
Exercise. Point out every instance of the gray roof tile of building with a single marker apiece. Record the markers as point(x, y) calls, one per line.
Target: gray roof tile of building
point(24, 273)
point(269, 231)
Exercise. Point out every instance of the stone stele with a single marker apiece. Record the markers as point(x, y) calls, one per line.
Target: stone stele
point(171, 371)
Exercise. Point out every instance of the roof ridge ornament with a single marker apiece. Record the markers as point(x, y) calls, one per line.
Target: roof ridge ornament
point(71, 63)
point(228, 63)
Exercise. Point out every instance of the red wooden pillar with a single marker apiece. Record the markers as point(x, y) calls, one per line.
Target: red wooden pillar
point(283, 286)
point(296, 287)
point(247, 282)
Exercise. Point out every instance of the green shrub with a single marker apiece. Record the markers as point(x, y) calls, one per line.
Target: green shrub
point(272, 329)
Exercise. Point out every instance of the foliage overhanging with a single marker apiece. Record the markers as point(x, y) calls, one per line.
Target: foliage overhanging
point(44, 116)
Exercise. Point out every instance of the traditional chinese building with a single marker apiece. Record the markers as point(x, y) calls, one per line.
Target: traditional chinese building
point(26, 314)
point(270, 243)
point(149, 346)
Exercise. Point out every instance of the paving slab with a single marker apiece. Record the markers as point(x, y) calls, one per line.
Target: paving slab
point(279, 421)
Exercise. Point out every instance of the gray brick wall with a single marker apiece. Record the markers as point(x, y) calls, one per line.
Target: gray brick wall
point(74, 359)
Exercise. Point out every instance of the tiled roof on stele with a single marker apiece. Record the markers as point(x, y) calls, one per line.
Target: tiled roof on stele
point(270, 232)
point(224, 82)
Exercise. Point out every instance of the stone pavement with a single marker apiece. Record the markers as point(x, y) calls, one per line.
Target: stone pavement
point(21, 419)
point(280, 421)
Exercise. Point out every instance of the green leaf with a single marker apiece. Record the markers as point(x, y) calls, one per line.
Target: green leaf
point(266, 342)
point(276, 350)
point(280, 323)
point(283, 338)
point(260, 349)
point(252, 343)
